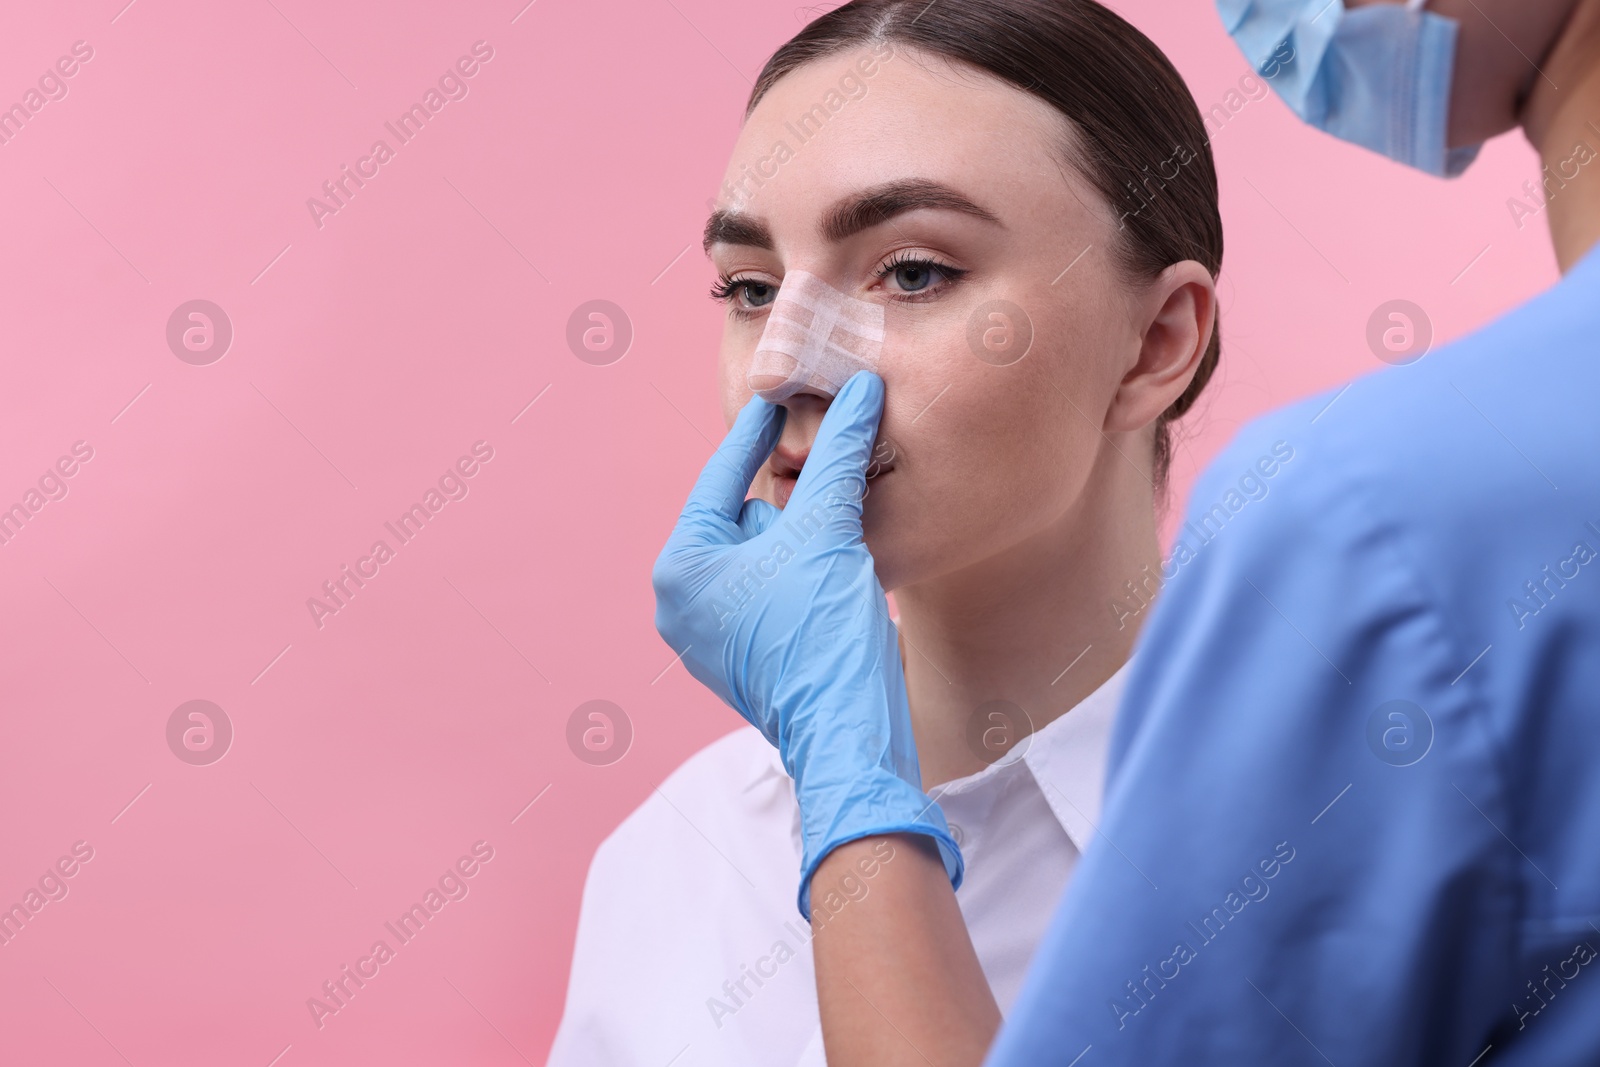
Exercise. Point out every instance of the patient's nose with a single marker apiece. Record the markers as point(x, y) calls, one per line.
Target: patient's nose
point(775, 377)
point(814, 339)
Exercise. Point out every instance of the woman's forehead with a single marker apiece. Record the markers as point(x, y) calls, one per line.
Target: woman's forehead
point(826, 131)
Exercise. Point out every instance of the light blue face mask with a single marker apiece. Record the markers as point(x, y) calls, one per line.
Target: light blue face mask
point(1378, 76)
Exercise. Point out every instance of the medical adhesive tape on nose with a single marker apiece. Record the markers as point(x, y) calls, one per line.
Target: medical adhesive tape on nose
point(815, 338)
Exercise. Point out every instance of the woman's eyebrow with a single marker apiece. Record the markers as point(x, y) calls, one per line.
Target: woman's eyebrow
point(852, 214)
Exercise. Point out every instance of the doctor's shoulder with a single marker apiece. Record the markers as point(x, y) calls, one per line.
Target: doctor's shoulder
point(1447, 432)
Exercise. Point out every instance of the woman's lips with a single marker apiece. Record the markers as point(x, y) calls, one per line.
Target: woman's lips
point(783, 483)
point(783, 488)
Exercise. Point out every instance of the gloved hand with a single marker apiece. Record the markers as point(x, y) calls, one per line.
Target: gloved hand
point(779, 612)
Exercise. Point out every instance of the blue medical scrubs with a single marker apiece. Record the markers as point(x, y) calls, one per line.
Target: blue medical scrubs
point(1353, 809)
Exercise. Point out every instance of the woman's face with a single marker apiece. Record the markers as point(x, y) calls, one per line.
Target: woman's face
point(938, 192)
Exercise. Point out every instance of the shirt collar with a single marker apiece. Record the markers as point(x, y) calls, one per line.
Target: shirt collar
point(1067, 758)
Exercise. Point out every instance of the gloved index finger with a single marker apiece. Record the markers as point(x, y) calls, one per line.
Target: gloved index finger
point(834, 475)
point(720, 490)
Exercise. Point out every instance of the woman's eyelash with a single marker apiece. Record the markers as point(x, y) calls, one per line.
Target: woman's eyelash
point(911, 259)
point(726, 287)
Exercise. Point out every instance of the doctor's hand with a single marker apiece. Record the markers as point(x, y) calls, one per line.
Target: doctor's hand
point(780, 613)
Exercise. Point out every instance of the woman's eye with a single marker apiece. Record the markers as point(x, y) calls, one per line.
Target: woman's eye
point(912, 277)
point(757, 294)
point(742, 295)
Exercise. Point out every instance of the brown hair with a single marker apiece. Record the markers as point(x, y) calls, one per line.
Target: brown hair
point(1133, 116)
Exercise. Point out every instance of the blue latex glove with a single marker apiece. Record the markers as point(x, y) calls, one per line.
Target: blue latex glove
point(779, 612)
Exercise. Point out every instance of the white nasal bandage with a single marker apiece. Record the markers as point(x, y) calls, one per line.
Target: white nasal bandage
point(816, 338)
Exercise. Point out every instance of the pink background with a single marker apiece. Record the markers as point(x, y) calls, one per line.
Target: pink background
point(368, 355)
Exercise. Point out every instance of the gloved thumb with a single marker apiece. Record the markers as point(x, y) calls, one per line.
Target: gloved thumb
point(720, 489)
point(757, 516)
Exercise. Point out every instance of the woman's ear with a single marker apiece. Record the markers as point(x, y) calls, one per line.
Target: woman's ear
point(1176, 315)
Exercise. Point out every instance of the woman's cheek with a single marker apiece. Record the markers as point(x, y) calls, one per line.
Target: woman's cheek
point(918, 363)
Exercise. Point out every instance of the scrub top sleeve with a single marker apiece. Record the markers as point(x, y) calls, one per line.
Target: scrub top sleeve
point(1297, 794)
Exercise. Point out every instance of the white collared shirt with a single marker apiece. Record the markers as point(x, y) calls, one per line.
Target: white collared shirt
point(690, 951)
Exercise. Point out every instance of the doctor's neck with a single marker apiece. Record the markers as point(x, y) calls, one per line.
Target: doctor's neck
point(1561, 118)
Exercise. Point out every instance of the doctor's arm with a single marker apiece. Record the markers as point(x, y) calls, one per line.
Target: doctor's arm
point(1298, 858)
point(898, 981)
point(809, 657)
